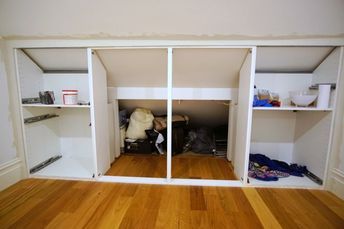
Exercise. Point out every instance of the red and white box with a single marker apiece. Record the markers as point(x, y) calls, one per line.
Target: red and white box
point(70, 97)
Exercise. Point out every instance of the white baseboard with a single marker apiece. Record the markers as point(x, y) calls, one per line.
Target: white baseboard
point(173, 181)
point(336, 183)
point(10, 173)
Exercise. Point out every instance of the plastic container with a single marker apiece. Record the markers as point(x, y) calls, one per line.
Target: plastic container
point(324, 96)
point(70, 97)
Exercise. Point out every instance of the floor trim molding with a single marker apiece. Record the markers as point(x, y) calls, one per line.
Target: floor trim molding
point(164, 181)
point(10, 173)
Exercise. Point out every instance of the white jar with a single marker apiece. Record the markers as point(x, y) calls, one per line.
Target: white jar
point(324, 96)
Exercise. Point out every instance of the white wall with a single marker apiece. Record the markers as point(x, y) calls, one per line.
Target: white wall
point(7, 145)
point(340, 162)
point(273, 134)
point(172, 19)
point(31, 78)
point(59, 82)
point(10, 165)
point(327, 71)
point(335, 176)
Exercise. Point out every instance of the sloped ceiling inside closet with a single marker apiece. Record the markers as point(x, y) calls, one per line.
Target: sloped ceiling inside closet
point(135, 67)
point(201, 113)
point(207, 67)
point(191, 67)
point(59, 59)
point(290, 59)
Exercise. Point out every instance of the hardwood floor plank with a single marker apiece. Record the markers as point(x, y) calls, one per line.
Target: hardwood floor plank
point(134, 214)
point(331, 201)
point(38, 211)
point(183, 166)
point(263, 212)
point(111, 210)
point(217, 217)
point(169, 208)
point(37, 203)
point(291, 209)
point(139, 165)
point(280, 208)
point(59, 221)
point(197, 201)
point(89, 207)
point(246, 211)
point(315, 206)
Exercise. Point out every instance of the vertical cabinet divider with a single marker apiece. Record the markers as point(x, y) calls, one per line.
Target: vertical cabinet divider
point(169, 112)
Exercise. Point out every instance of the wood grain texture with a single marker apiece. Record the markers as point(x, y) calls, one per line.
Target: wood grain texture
point(139, 165)
point(38, 203)
point(186, 165)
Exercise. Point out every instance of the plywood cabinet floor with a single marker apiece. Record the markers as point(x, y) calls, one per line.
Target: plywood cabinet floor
point(68, 167)
point(38, 203)
point(183, 166)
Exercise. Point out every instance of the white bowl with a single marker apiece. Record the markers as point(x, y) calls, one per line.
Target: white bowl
point(302, 98)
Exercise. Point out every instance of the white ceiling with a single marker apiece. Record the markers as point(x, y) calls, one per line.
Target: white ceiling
point(50, 59)
point(290, 59)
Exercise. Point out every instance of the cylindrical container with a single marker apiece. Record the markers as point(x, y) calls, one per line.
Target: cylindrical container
point(324, 96)
point(70, 97)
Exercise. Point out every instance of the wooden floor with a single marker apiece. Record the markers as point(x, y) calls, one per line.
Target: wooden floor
point(139, 165)
point(38, 203)
point(185, 165)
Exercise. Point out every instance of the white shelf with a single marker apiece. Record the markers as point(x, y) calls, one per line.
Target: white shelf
point(291, 108)
point(291, 181)
point(55, 105)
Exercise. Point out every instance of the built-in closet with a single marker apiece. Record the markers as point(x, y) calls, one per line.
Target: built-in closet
point(205, 86)
point(213, 85)
point(201, 83)
point(289, 133)
point(136, 78)
point(61, 139)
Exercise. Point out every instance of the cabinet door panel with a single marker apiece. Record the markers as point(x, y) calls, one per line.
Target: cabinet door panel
point(244, 116)
point(99, 112)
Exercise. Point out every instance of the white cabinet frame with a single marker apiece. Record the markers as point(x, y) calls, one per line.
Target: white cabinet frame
point(99, 44)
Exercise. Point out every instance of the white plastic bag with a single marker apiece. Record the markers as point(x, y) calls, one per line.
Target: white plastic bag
point(140, 120)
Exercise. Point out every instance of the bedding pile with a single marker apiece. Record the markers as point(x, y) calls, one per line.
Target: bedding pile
point(263, 168)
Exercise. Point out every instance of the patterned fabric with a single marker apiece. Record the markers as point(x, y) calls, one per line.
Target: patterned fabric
point(263, 173)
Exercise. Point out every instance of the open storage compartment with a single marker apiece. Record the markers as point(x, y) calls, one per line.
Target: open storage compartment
point(136, 78)
point(211, 84)
point(68, 135)
point(291, 133)
point(200, 145)
point(57, 134)
point(139, 156)
point(206, 84)
point(174, 81)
